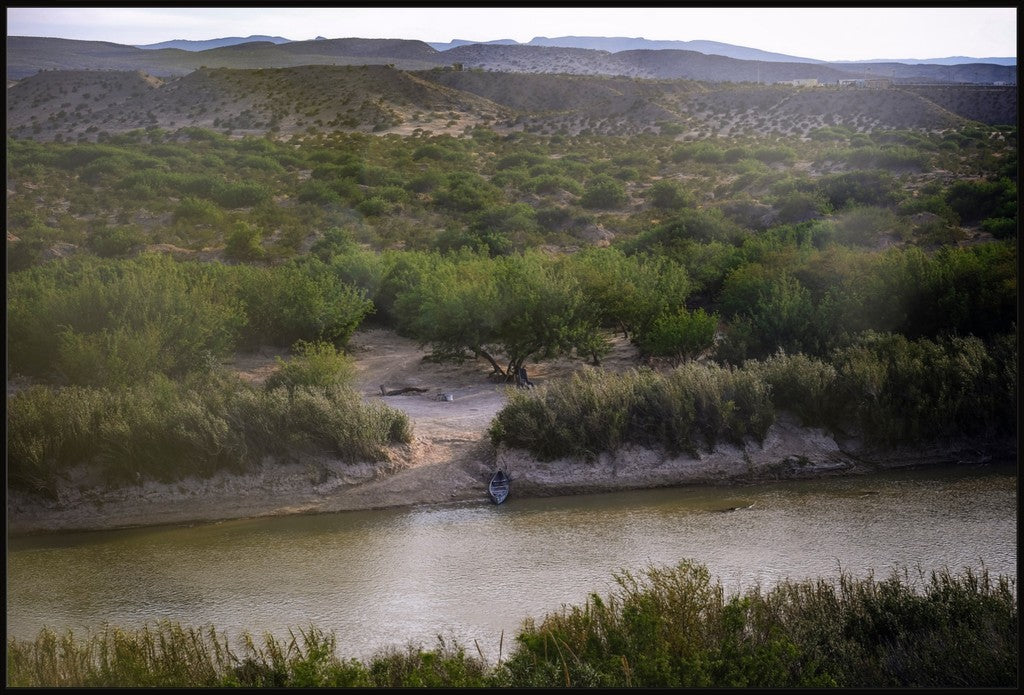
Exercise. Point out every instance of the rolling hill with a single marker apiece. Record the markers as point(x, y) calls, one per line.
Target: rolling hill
point(28, 55)
point(86, 104)
point(90, 104)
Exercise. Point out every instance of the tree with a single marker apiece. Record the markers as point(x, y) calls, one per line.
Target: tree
point(519, 306)
point(627, 293)
point(541, 311)
point(681, 335)
point(452, 307)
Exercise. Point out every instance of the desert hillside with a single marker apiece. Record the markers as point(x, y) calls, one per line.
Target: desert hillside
point(314, 99)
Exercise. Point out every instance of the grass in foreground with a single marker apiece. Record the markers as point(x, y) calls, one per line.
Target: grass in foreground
point(669, 626)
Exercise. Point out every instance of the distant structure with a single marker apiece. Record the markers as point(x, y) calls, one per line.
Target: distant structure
point(867, 83)
point(808, 82)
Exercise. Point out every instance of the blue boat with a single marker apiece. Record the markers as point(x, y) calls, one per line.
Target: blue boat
point(498, 488)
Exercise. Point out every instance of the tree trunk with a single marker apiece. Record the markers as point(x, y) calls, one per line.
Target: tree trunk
point(494, 364)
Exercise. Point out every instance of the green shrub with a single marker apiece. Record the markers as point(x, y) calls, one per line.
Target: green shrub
point(682, 335)
point(674, 627)
point(244, 243)
point(118, 241)
point(668, 195)
point(300, 300)
point(899, 390)
point(974, 201)
point(197, 211)
point(1000, 227)
point(690, 408)
point(239, 195)
point(99, 321)
point(869, 187)
point(603, 192)
point(373, 207)
point(660, 627)
point(314, 365)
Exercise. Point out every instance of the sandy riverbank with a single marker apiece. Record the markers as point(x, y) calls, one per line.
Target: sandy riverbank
point(451, 458)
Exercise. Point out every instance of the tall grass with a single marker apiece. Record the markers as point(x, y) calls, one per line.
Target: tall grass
point(668, 626)
point(166, 654)
point(886, 387)
point(167, 430)
point(674, 627)
point(687, 409)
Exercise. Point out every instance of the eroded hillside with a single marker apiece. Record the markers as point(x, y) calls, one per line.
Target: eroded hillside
point(315, 99)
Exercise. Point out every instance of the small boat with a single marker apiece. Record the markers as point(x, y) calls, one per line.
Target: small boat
point(498, 488)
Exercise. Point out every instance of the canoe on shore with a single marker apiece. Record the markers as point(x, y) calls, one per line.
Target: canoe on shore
point(498, 487)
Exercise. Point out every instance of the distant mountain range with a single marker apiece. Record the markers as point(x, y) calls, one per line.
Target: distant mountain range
point(613, 44)
point(186, 45)
point(28, 55)
point(952, 60)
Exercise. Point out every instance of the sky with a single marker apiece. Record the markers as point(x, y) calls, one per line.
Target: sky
point(835, 33)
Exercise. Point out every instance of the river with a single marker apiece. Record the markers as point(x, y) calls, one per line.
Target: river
point(472, 571)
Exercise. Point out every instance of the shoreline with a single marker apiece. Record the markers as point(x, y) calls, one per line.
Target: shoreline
point(438, 472)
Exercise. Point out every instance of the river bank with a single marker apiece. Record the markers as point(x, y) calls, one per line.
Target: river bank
point(450, 458)
point(437, 472)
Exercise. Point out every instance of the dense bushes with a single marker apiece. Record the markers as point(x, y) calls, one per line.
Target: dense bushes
point(691, 408)
point(974, 201)
point(437, 237)
point(165, 430)
point(898, 390)
point(87, 321)
point(300, 300)
point(165, 654)
point(660, 627)
point(91, 321)
point(885, 387)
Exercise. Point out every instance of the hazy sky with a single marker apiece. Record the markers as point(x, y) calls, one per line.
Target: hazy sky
point(837, 33)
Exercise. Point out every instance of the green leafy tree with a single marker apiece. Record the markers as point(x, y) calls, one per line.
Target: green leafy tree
point(452, 307)
point(627, 293)
point(300, 300)
point(541, 311)
point(680, 336)
point(520, 306)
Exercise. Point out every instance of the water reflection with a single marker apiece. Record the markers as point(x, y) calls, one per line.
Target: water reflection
point(474, 571)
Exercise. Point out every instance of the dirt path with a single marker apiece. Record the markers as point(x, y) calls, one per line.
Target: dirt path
point(451, 457)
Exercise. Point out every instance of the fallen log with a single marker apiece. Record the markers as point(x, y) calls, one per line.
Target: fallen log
point(399, 392)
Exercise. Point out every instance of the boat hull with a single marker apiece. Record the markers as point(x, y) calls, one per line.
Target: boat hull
point(499, 487)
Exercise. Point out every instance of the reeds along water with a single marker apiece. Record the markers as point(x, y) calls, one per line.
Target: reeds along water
point(663, 626)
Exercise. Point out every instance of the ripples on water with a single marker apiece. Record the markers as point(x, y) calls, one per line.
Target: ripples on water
point(474, 571)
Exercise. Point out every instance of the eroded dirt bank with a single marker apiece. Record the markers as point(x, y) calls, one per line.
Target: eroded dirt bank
point(451, 458)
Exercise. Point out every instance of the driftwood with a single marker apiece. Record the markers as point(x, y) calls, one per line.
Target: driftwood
point(399, 392)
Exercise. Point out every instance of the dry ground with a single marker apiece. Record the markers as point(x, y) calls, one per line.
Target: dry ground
point(450, 458)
